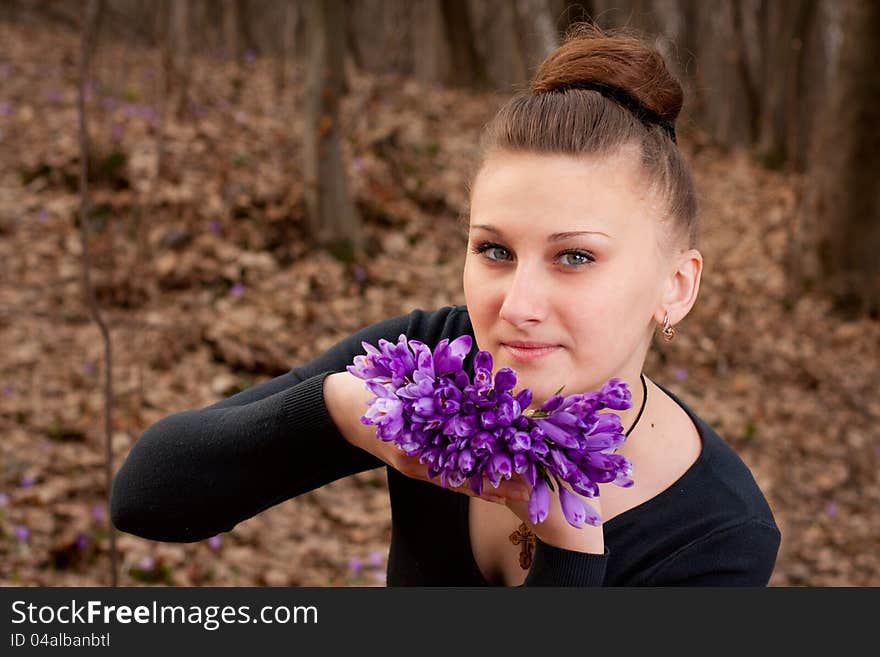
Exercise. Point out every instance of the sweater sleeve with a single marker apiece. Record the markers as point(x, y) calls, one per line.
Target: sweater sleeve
point(555, 566)
point(743, 554)
point(199, 472)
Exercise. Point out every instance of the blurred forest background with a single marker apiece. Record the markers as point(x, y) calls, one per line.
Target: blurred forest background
point(198, 195)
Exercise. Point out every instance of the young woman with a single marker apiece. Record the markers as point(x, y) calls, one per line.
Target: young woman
point(582, 243)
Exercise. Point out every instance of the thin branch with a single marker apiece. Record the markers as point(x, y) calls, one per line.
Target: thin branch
point(89, 35)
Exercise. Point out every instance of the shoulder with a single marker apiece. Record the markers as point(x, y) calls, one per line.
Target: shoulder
point(721, 478)
point(426, 325)
point(714, 524)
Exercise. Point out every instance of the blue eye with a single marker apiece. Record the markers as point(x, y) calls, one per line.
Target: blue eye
point(586, 257)
point(580, 258)
point(488, 246)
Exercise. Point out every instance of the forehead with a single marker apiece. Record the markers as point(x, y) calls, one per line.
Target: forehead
point(545, 194)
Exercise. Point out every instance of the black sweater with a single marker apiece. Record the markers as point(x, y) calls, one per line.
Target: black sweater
point(196, 473)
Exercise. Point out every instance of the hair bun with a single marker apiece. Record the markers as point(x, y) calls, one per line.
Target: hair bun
point(618, 65)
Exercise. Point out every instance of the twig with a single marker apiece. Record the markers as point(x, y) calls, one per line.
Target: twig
point(89, 30)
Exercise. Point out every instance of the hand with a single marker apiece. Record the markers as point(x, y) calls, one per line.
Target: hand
point(556, 530)
point(346, 399)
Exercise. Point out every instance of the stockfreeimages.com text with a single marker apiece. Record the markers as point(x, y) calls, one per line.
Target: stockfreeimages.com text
point(210, 617)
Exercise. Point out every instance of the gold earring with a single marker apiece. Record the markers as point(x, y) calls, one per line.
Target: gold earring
point(668, 331)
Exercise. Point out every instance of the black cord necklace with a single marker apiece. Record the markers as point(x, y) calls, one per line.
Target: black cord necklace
point(644, 401)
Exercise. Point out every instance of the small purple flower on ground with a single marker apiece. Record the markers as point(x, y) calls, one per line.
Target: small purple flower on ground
point(681, 374)
point(90, 368)
point(4, 500)
point(216, 227)
point(27, 481)
point(147, 563)
point(98, 513)
point(359, 274)
point(82, 541)
point(5, 109)
point(355, 566)
point(215, 542)
point(22, 533)
point(832, 509)
point(376, 558)
point(237, 290)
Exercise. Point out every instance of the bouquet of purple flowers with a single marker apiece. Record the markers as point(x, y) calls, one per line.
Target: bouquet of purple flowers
point(428, 406)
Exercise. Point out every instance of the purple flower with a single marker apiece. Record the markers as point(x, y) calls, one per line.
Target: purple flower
point(616, 395)
point(576, 511)
point(359, 274)
point(375, 558)
point(5, 109)
point(237, 290)
point(82, 541)
point(90, 367)
point(465, 431)
point(505, 379)
point(216, 227)
point(500, 465)
point(42, 216)
point(4, 500)
point(448, 357)
point(27, 481)
point(355, 566)
point(215, 542)
point(681, 374)
point(22, 533)
point(98, 513)
point(147, 563)
point(832, 508)
point(539, 502)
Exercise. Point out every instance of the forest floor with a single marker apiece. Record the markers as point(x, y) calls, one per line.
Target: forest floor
point(232, 294)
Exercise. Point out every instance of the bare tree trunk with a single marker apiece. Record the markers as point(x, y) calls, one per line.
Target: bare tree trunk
point(288, 36)
point(842, 203)
point(89, 37)
point(232, 29)
point(179, 45)
point(466, 64)
point(432, 58)
point(786, 25)
point(499, 48)
point(333, 218)
point(538, 29)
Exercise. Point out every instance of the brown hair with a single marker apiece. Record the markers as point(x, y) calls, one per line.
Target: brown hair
point(596, 94)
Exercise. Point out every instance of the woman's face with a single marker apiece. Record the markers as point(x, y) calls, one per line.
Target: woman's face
point(591, 296)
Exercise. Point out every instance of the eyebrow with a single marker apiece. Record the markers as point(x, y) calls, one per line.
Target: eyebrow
point(555, 237)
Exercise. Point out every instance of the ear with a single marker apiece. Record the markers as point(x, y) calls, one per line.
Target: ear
point(682, 287)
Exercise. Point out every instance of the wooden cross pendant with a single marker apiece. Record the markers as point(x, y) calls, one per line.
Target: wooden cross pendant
point(523, 535)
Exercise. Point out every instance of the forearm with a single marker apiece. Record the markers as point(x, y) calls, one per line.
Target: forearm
point(196, 473)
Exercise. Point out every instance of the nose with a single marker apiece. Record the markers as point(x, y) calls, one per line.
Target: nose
point(525, 300)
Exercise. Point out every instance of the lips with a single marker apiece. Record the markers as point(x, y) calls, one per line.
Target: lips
point(529, 351)
point(529, 345)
